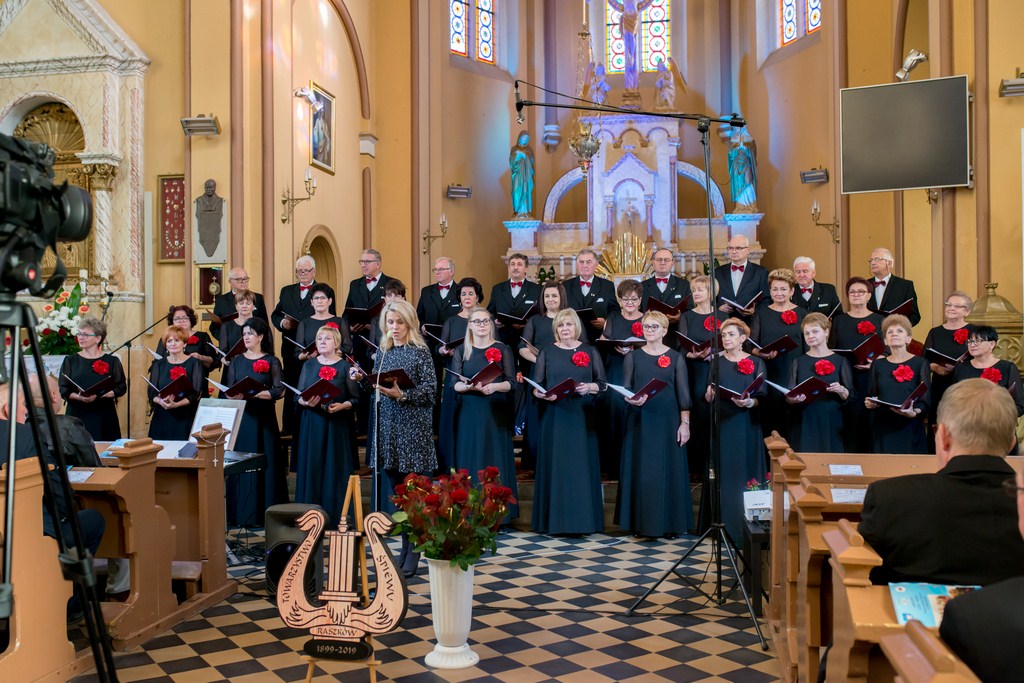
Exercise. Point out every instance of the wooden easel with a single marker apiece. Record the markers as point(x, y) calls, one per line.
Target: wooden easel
point(354, 495)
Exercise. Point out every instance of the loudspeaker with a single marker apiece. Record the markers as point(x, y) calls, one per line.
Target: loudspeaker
point(282, 538)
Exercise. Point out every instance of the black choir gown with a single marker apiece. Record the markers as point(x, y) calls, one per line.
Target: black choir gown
point(1005, 374)
point(99, 416)
point(567, 490)
point(892, 433)
point(326, 440)
point(818, 427)
point(654, 485)
point(765, 327)
point(856, 418)
point(250, 494)
point(743, 456)
point(698, 326)
point(454, 328)
point(228, 336)
point(484, 424)
point(176, 424)
point(201, 345)
point(610, 404)
point(944, 341)
point(306, 334)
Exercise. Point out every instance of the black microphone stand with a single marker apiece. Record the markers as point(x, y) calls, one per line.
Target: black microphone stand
point(716, 533)
point(128, 373)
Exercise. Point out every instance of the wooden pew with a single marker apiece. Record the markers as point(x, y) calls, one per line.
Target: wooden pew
point(38, 648)
point(920, 656)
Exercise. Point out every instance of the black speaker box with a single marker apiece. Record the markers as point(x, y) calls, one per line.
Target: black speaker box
point(282, 538)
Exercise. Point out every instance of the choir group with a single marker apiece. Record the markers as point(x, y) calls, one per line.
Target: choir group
point(601, 380)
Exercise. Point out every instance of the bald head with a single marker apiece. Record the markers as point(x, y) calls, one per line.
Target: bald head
point(45, 387)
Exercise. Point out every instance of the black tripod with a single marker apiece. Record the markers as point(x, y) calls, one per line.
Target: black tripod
point(75, 559)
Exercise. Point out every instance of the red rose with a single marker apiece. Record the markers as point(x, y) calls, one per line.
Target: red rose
point(493, 355)
point(664, 361)
point(333, 325)
point(789, 317)
point(903, 373)
point(991, 374)
point(960, 336)
point(47, 332)
point(460, 496)
point(100, 367)
point(193, 339)
point(24, 342)
point(712, 322)
point(261, 366)
point(745, 366)
point(580, 359)
point(327, 372)
point(177, 371)
point(432, 499)
point(62, 332)
point(865, 327)
point(638, 329)
point(824, 367)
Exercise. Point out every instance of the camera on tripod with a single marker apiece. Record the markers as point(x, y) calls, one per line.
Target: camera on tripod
point(34, 214)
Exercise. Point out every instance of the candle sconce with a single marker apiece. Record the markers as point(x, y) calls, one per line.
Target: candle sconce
point(290, 202)
point(428, 239)
point(833, 227)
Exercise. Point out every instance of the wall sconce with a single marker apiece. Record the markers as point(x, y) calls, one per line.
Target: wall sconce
point(815, 175)
point(914, 57)
point(1012, 87)
point(289, 202)
point(429, 239)
point(833, 227)
point(457, 191)
point(306, 93)
point(201, 125)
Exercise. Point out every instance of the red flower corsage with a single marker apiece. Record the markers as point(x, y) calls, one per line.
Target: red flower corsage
point(580, 359)
point(333, 325)
point(261, 366)
point(745, 366)
point(903, 373)
point(193, 339)
point(100, 367)
point(328, 373)
point(177, 371)
point(209, 390)
point(638, 329)
point(960, 336)
point(788, 317)
point(824, 367)
point(493, 355)
point(865, 327)
point(712, 322)
point(664, 361)
point(991, 374)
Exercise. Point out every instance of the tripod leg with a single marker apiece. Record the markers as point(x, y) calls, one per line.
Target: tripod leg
point(730, 550)
point(671, 570)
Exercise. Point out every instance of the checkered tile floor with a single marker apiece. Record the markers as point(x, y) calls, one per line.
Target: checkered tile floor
point(545, 609)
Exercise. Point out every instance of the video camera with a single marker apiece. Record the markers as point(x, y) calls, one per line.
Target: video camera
point(34, 214)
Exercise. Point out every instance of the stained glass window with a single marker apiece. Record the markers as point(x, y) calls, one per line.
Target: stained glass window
point(813, 15)
point(458, 30)
point(797, 18)
point(485, 31)
point(787, 22)
point(655, 37)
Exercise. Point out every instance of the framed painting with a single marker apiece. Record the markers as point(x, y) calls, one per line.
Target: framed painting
point(171, 193)
point(321, 132)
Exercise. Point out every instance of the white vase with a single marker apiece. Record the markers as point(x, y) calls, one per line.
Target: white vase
point(451, 606)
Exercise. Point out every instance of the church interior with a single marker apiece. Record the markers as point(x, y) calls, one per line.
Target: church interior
point(330, 127)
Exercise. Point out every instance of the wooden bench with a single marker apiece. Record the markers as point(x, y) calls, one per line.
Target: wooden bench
point(919, 656)
point(38, 648)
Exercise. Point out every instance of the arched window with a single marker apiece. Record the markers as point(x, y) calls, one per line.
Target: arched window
point(471, 29)
point(796, 19)
point(654, 34)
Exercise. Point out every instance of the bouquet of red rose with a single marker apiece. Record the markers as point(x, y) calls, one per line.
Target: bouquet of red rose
point(451, 519)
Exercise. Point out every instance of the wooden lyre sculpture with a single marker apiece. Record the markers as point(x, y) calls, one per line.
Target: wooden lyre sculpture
point(338, 625)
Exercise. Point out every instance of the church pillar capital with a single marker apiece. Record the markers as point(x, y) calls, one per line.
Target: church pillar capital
point(101, 176)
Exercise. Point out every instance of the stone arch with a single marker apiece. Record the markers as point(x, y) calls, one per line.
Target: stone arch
point(357, 55)
point(696, 175)
point(559, 190)
point(323, 247)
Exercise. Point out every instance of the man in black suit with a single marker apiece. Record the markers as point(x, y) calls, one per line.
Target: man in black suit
point(438, 301)
point(224, 304)
point(956, 526)
point(664, 285)
point(516, 296)
point(890, 290)
point(986, 628)
point(809, 294)
point(368, 289)
point(293, 306)
point(586, 290)
point(741, 279)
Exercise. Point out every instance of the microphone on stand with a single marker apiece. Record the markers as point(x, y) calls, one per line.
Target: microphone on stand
point(376, 425)
point(110, 297)
point(519, 106)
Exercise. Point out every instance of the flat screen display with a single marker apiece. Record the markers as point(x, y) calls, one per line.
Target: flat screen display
point(904, 136)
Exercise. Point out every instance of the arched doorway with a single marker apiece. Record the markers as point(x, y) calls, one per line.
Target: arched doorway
point(321, 246)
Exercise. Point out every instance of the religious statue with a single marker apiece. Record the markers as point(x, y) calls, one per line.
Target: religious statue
point(743, 172)
point(666, 86)
point(599, 88)
point(210, 218)
point(629, 24)
point(520, 161)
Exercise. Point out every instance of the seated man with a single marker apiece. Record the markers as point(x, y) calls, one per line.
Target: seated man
point(956, 526)
point(984, 628)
